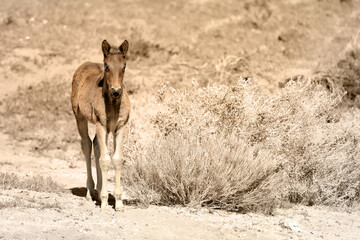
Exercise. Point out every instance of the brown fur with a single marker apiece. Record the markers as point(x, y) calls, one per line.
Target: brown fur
point(99, 97)
point(88, 100)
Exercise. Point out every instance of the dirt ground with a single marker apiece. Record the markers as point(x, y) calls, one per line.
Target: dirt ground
point(172, 42)
point(38, 215)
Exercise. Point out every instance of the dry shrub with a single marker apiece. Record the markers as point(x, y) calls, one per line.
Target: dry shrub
point(349, 73)
point(216, 171)
point(338, 175)
point(237, 148)
point(35, 183)
point(141, 45)
point(345, 74)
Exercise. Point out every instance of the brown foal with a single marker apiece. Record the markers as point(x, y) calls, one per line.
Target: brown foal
point(99, 96)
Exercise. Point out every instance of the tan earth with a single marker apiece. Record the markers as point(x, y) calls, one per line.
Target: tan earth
point(66, 216)
point(170, 42)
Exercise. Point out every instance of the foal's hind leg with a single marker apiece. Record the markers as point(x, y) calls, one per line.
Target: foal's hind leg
point(86, 148)
point(98, 169)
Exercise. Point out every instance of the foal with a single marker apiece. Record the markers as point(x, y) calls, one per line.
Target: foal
point(99, 96)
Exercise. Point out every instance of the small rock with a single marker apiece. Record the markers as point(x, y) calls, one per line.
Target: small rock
point(291, 224)
point(263, 49)
point(205, 210)
point(7, 20)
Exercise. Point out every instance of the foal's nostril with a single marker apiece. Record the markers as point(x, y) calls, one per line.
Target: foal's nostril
point(115, 92)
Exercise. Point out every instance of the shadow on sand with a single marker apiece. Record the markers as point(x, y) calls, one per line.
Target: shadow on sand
point(81, 192)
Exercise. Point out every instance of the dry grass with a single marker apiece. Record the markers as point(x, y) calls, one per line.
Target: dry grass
point(236, 148)
point(345, 74)
point(304, 137)
point(28, 202)
point(216, 171)
point(35, 183)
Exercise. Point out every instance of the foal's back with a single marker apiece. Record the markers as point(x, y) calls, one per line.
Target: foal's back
point(86, 97)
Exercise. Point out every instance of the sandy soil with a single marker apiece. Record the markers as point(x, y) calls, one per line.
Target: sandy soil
point(70, 215)
point(79, 219)
point(273, 41)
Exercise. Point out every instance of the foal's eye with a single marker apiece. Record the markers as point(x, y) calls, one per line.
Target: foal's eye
point(106, 68)
point(124, 67)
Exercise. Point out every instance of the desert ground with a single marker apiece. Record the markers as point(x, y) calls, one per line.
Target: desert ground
point(172, 44)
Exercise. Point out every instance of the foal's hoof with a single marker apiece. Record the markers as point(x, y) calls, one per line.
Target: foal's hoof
point(119, 207)
point(90, 195)
point(105, 207)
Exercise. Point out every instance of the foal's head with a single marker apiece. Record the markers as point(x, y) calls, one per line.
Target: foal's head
point(114, 67)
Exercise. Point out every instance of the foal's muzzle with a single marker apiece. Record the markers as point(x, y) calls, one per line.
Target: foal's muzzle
point(116, 92)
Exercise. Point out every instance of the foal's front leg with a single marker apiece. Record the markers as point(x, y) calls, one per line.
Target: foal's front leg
point(102, 135)
point(117, 162)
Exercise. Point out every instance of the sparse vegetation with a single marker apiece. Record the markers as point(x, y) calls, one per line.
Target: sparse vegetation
point(345, 75)
point(35, 183)
point(236, 148)
point(28, 202)
point(38, 109)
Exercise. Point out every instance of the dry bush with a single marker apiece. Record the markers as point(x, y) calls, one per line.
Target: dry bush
point(349, 73)
point(338, 174)
point(240, 149)
point(143, 47)
point(344, 74)
point(139, 47)
point(215, 171)
point(35, 183)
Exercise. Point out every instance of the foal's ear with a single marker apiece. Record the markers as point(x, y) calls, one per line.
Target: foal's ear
point(105, 48)
point(124, 47)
